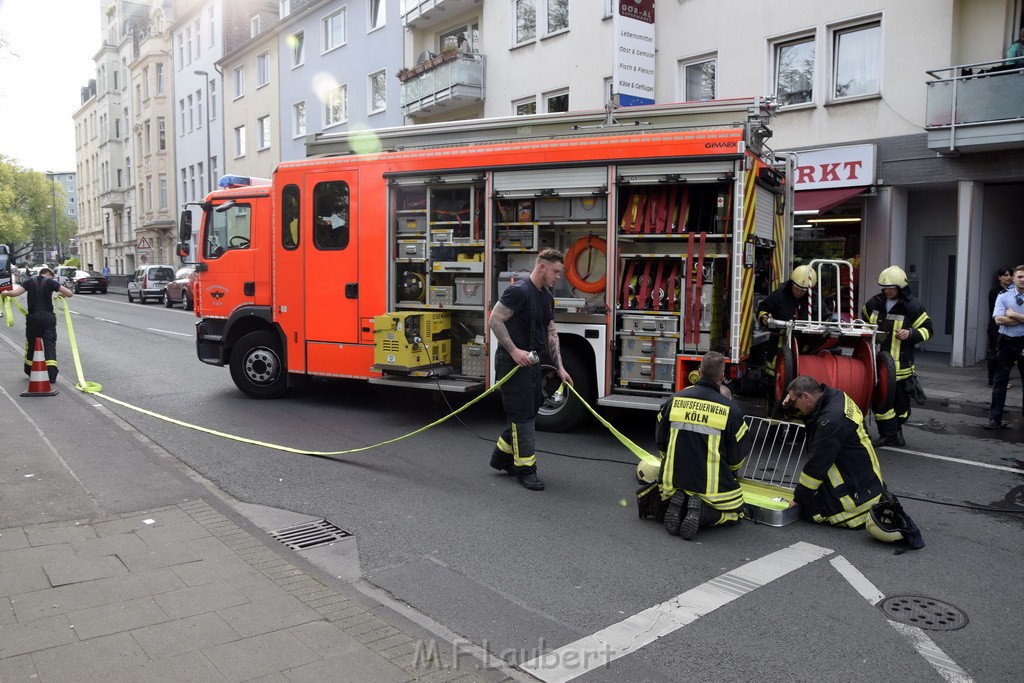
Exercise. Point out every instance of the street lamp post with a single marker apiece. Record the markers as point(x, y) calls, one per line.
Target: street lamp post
point(209, 167)
point(56, 237)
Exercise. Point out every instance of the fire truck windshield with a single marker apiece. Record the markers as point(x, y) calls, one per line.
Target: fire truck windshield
point(227, 229)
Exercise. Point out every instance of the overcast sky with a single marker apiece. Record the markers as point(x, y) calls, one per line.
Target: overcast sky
point(46, 62)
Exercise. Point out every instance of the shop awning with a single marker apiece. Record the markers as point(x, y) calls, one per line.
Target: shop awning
point(820, 201)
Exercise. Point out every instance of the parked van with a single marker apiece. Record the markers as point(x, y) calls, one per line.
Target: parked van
point(149, 282)
point(65, 275)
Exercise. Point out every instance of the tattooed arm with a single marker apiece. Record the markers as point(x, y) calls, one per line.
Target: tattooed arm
point(499, 316)
point(556, 353)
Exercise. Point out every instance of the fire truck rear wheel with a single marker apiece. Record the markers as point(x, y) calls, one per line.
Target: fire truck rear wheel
point(560, 416)
point(257, 366)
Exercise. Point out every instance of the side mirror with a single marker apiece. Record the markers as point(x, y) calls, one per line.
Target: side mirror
point(184, 249)
point(185, 226)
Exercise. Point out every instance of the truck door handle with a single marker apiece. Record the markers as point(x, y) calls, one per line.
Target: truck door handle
point(351, 290)
point(249, 288)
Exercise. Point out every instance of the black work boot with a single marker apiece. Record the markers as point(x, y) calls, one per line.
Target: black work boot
point(888, 434)
point(674, 512)
point(527, 476)
point(900, 441)
point(698, 515)
point(500, 460)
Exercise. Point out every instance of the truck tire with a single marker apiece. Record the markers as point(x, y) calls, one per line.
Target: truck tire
point(562, 416)
point(257, 365)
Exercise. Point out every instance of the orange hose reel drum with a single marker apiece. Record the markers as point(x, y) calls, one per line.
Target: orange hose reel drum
point(851, 374)
point(572, 264)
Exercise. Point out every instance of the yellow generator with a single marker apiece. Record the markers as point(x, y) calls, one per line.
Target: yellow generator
point(410, 341)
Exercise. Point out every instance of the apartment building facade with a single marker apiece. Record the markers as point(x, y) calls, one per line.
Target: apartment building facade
point(90, 228)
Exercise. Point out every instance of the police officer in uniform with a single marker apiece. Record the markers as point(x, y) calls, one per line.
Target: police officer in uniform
point(842, 479)
point(698, 434)
point(41, 320)
point(794, 300)
point(523, 322)
point(903, 323)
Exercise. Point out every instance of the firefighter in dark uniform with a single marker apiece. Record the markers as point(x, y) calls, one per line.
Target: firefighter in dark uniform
point(41, 320)
point(698, 434)
point(523, 322)
point(794, 300)
point(842, 479)
point(902, 324)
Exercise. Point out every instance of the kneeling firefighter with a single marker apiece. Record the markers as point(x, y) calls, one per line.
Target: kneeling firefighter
point(698, 435)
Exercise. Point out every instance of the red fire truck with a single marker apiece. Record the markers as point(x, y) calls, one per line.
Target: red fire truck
point(380, 255)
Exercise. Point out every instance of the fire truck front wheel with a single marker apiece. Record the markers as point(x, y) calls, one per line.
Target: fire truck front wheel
point(257, 365)
point(563, 411)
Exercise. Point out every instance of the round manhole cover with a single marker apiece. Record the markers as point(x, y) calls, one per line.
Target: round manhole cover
point(927, 613)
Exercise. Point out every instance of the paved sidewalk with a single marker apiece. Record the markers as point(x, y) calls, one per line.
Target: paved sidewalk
point(964, 386)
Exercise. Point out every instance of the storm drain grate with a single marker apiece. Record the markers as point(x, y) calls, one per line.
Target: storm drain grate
point(310, 535)
point(926, 613)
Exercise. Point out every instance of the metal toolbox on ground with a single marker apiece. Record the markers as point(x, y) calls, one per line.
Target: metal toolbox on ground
point(412, 221)
point(474, 359)
point(411, 249)
point(659, 347)
point(469, 291)
point(644, 371)
point(641, 324)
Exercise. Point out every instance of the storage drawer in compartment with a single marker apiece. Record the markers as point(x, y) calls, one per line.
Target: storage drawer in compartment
point(664, 348)
point(411, 249)
point(639, 324)
point(644, 371)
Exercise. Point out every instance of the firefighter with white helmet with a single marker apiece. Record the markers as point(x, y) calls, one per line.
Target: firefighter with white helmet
point(902, 325)
point(794, 300)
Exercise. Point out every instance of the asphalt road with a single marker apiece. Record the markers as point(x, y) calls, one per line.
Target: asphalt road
point(522, 573)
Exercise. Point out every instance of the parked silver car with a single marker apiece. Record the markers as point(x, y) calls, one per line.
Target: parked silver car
point(149, 282)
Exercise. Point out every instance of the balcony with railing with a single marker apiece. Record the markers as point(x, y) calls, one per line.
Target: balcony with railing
point(444, 83)
point(976, 107)
point(420, 14)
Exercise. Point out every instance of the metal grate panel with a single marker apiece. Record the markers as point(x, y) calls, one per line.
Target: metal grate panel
point(777, 452)
point(925, 613)
point(310, 535)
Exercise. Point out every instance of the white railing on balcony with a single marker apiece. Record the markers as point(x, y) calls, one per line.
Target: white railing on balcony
point(454, 83)
point(974, 94)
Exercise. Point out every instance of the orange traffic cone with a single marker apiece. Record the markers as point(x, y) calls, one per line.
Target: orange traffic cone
point(39, 378)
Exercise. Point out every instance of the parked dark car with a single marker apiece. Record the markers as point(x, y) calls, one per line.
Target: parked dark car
point(180, 290)
point(88, 281)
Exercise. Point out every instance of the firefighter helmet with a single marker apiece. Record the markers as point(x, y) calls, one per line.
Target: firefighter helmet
point(893, 276)
point(648, 472)
point(803, 277)
point(889, 523)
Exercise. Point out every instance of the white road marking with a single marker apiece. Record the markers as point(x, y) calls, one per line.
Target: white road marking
point(104, 320)
point(618, 640)
point(180, 334)
point(961, 461)
point(924, 645)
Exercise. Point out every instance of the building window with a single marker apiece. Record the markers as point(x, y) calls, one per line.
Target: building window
point(213, 168)
point(202, 178)
point(145, 83)
point(698, 80)
point(161, 134)
point(192, 179)
point(525, 107)
point(254, 26)
point(375, 14)
point(556, 102)
point(184, 184)
point(464, 38)
point(149, 193)
point(262, 69)
point(191, 113)
point(378, 92)
point(146, 148)
point(181, 52)
point(188, 44)
point(213, 99)
point(336, 106)
point(209, 17)
point(159, 79)
point(199, 108)
point(181, 105)
point(551, 15)
point(239, 74)
point(199, 42)
point(163, 192)
point(558, 15)
point(298, 119)
point(263, 127)
point(240, 141)
point(297, 45)
point(857, 57)
point(794, 71)
point(333, 30)
point(526, 21)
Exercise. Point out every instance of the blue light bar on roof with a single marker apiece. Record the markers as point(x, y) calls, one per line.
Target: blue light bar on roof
point(228, 181)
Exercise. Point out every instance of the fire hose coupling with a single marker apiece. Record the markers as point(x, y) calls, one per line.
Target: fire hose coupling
point(534, 358)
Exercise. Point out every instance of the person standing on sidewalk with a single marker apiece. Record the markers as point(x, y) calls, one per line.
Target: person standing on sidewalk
point(41, 320)
point(902, 325)
point(1009, 315)
point(1004, 278)
point(523, 322)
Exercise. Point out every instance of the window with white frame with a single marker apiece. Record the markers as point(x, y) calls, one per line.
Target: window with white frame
point(556, 101)
point(298, 119)
point(145, 83)
point(297, 44)
point(159, 79)
point(149, 193)
point(184, 184)
point(188, 44)
point(181, 106)
point(857, 61)
point(239, 74)
point(794, 71)
point(210, 21)
point(378, 89)
point(199, 42)
point(199, 108)
point(263, 127)
point(464, 38)
point(191, 113)
point(254, 26)
point(333, 29)
point(146, 144)
point(698, 80)
point(161, 134)
point(163, 191)
point(181, 52)
point(335, 106)
point(375, 14)
point(213, 99)
point(262, 69)
point(538, 18)
point(525, 107)
point(240, 141)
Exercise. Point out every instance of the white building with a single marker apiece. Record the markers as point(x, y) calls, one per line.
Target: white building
point(90, 226)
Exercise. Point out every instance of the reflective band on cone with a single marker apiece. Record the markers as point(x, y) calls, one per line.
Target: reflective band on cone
point(39, 378)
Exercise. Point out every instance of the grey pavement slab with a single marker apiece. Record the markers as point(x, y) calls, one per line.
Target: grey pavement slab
point(269, 615)
point(89, 658)
point(20, 638)
point(194, 600)
point(185, 635)
point(93, 593)
point(76, 569)
point(260, 655)
point(193, 666)
point(13, 539)
point(116, 617)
